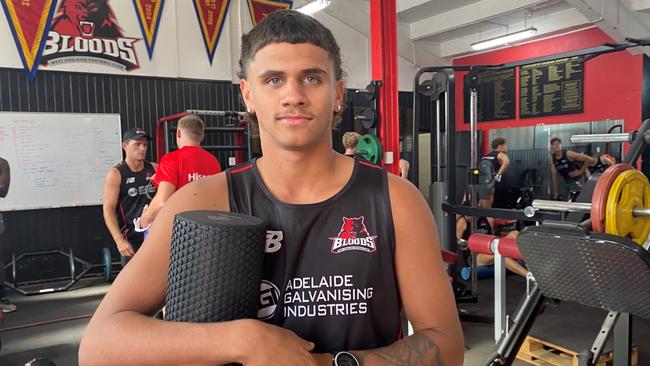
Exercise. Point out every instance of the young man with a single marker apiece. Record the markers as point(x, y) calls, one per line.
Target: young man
point(351, 139)
point(499, 161)
point(462, 232)
point(5, 179)
point(293, 88)
point(127, 189)
point(190, 162)
point(570, 165)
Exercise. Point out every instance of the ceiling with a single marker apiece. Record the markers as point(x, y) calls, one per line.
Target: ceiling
point(433, 32)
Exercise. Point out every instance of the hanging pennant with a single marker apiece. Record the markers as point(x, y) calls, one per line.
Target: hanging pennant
point(29, 21)
point(261, 8)
point(149, 13)
point(211, 15)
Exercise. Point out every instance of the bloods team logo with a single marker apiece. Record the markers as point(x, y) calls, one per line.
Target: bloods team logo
point(353, 236)
point(87, 31)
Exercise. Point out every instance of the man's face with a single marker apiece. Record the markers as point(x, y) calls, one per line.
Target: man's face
point(136, 149)
point(556, 146)
point(293, 91)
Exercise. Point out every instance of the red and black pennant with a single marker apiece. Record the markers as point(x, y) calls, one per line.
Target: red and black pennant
point(211, 15)
point(149, 13)
point(261, 8)
point(29, 21)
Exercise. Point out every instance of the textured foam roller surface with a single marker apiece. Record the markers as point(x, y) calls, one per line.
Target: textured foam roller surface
point(215, 268)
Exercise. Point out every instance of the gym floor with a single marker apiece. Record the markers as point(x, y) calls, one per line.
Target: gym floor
point(568, 325)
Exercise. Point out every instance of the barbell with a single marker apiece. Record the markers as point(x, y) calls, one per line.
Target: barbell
point(620, 204)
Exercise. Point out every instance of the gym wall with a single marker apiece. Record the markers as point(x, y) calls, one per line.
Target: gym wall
point(140, 101)
point(180, 52)
point(177, 77)
point(612, 82)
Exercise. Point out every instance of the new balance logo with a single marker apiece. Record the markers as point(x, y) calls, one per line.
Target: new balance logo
point(130, 180)
point(273, 241)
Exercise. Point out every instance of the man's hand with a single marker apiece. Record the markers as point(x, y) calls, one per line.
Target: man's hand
point(575, 173)
point(144, 222)
point(403, 168)
point(497, 177)
point(271, 345)
point(125, 248)
point(323, 359)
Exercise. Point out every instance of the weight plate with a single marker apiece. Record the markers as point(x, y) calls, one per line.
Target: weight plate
point(630, 189)
point(369, 117)
point(601, 191)
point(369, 148)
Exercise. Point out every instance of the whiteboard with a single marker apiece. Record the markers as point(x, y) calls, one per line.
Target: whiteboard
point(58, 159)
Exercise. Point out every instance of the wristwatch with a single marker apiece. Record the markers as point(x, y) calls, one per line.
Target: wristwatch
point(345, 359)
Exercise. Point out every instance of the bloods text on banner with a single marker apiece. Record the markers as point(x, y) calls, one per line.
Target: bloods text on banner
point(261, 8)
point(29, 21)
point(211, 15)
point(87, 31)
point(149, 12)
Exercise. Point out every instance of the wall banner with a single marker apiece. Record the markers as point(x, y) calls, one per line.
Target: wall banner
point(211, 15)
point(29, 22)
point(149, 13)
point(261, 8)
point(87, 31)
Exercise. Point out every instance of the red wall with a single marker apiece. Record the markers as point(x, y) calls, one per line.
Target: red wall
point(612, 82)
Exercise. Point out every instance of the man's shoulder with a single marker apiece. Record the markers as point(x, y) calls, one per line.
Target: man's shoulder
point(113, 176)
point(211, 191)
point(116, 169)
point(169, 159)
point(171, 155)
point(189, 152)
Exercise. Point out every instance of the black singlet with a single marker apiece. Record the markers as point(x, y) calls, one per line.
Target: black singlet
point(329, 272)
point(564, 166)
point(492, 156)
point(135, 192)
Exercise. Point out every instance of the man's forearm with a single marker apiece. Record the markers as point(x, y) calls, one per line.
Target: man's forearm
point(150, 213)
point(128, 338)
point(111, 224)
point(421, 348)
point(584, 167)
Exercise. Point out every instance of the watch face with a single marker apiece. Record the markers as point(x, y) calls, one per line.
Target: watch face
point(345, 359)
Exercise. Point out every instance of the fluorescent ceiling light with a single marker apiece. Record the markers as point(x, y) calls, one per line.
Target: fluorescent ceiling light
point(508, 38)
point(314, 6)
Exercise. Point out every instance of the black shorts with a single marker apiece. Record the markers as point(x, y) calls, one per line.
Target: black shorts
point(486, 190)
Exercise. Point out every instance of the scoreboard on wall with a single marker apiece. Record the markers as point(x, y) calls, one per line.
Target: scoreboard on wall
point(551, 88)
point(496, 95)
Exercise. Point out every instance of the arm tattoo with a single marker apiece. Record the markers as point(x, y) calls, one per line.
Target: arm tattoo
point(418, 349)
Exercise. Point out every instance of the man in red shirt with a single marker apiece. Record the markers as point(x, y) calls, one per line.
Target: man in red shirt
point(190, 162)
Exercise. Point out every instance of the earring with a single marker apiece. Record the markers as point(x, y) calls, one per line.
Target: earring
point(248, 109)
point(338, 108)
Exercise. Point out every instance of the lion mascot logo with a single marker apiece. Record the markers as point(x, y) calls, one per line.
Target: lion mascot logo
point(86, 18)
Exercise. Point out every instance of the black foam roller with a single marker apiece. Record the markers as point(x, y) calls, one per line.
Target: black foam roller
point(215, 268)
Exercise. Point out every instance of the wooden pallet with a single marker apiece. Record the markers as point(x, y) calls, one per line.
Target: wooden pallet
point(541, 353)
